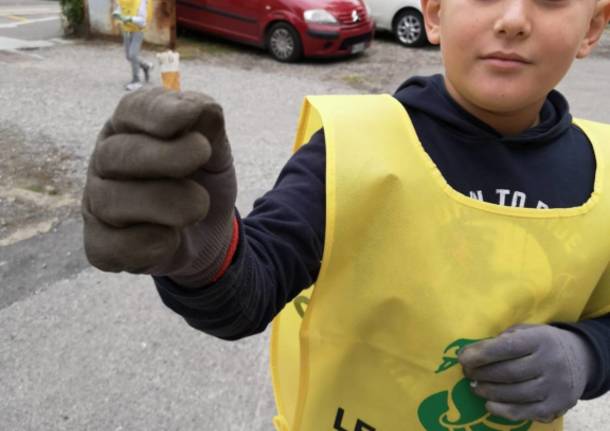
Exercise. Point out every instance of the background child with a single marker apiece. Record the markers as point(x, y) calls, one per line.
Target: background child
point(133, 15)
point(465, 206)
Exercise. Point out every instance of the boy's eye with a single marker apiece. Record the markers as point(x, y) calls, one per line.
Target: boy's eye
point(554, 3)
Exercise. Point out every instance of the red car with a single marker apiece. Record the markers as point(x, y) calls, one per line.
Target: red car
point(289, 29)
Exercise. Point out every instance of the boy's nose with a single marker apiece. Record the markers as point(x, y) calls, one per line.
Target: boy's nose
point(514, 19)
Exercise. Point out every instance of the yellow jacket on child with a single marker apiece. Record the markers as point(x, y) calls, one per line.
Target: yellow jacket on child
point(131, 8)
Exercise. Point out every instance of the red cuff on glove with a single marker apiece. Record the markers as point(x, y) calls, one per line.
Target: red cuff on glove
point(230, 252)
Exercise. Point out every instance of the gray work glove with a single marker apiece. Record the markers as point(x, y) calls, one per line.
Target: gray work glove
point(161, 188)
point(534, 372)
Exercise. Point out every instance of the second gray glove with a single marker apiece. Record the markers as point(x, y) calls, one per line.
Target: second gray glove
point(529, 371)
point(161, 188)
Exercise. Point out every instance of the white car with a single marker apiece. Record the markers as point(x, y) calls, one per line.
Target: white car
point(401, 17)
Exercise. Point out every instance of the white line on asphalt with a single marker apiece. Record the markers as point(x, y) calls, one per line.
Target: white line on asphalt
point(61, 41)
point(10, 44)
point(31, 21)
point(43, 10)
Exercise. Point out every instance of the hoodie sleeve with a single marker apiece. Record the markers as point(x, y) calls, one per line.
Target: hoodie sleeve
point(141, 17)
point(278, 255)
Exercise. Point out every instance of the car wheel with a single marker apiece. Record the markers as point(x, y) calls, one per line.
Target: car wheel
point(409, 28)
point(284, 43)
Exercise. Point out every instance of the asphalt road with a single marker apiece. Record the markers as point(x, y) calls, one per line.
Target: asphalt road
point(85, 350)
point(29, 20)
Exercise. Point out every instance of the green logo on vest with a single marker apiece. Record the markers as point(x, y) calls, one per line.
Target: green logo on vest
point(459, 409)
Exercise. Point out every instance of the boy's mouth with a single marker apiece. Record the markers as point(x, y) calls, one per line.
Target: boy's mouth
point(508, 57)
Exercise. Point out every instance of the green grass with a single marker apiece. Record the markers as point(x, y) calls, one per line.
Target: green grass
point(36, 188)
point(191, 48)
point(357, 81)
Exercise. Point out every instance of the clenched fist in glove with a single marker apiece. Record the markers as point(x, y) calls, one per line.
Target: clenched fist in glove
point(533, 372)
point(161, 188)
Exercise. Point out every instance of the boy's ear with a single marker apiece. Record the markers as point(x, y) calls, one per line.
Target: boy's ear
point(597, 26)
point(431, 10)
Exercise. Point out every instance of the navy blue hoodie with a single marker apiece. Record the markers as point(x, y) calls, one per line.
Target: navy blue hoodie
point(551, 165)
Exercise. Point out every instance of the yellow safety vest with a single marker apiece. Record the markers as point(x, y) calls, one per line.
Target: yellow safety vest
point(412, 271)
point(130, 8)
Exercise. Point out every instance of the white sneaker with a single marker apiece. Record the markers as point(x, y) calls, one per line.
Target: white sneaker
point(133, 86)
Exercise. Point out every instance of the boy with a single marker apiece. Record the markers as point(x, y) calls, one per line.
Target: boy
point(133, 16)
point(461, 222)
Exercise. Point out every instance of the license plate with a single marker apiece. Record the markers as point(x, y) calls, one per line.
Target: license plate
point(359, 47)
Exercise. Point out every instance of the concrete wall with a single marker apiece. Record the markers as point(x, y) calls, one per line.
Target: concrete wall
point(160, 30)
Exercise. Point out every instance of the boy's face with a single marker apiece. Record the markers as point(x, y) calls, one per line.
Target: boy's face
point(504, 56)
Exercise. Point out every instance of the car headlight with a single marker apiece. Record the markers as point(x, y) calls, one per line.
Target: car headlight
point(319, 16)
